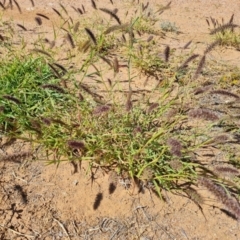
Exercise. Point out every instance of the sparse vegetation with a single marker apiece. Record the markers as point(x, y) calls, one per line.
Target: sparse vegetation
point(168, 26)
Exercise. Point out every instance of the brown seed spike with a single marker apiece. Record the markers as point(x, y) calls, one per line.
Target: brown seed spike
point(32, 2)
point(176, 164)
point(203, 113)
point(175, 147)
point(109, 82)
point(166, 53)
point(200, 67)
point(152, 107)
point(220, 193)
point(97, 201)
point(94, 4)
point(212, 46)
point(200, 90)
point(129, 101)
point(2, 6)
point(13, 99)
point(226, 93)
point(188, 60)
point(223, 138)
point(115, 65)
point(101, 110)
point(53, 87)
point(187, 45)
point(83, 8)
point(223, 27)
point(194, 196)
point(38, 21)
point(76, 26)
point(231, 19)
point(41, 51)
point(146, 6)
point(54, 70)
point(113, 180)
point(106, 61)
point(208, 22)
point(11, 4)
point(70, 40)
point(147, 174)
point(61, 67)
point(112, 14)
point(80, 11)
point(20, 192)
point(150, 38)
point(2, 38)
point(46, 121)
point(18, 6)
point(91, 35)
point(21, 26)
point(226, 171)
point(64, 9)
point(57, 12)
point(74, 9)
point(76, 144)
point(112, 187)
point(43, 16)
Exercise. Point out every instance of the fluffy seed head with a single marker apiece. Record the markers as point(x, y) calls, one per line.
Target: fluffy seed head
point(175, 147)
point(100, 110)
point(76, 144)
point(203, 113)
point(221, 194)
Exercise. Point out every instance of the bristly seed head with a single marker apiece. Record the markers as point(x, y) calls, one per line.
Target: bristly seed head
point(147, 174)
point(221, 194)
point(194, 196)
point(76, 144)
point(38, 21)
point(70, 40)
point(91, 35)
point(152, 107)
point(224, 27)
point(188, 60)
point(101, 110)
point(53, 87)
point(175, 147)
point(47, 121)
point(98, 200)
point(167, 53)
point(225, 92)
point(112, 14)
point(175, 164)
point(13, 99)
point(203, 113)
point(200, 67)
point(226, 171)
point(221, 138)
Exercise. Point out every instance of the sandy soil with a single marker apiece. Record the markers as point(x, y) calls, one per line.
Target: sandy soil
point(49, 202)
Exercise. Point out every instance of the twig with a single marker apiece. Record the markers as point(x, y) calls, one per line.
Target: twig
point(18, 233)
point(19, 177)
point(63, 228)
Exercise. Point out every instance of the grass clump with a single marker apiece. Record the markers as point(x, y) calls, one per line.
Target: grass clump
point(168, 26)
point(83, 99)
point(227, 34)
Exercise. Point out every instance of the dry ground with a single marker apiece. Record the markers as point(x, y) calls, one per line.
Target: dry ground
point(46, 202)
